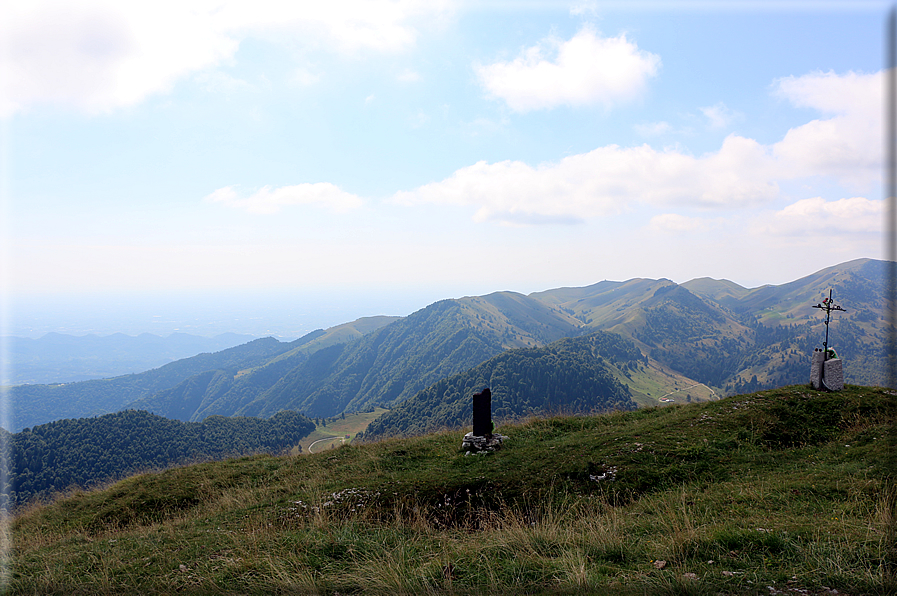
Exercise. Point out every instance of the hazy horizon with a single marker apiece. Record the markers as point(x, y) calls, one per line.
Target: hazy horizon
point(282, 314)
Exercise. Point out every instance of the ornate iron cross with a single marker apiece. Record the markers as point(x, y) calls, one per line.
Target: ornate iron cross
point(828, 306)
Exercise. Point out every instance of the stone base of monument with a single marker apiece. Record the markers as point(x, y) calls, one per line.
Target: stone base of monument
point(833, 375)
point(826, 374)
point(816, 365)
point(479, 444)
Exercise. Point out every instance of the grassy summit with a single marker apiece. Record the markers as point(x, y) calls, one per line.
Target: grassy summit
point(783, 491)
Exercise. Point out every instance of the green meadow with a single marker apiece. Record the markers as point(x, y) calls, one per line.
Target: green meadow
point(786, 491)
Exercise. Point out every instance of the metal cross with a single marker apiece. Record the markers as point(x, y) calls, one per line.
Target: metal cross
point(828, 306)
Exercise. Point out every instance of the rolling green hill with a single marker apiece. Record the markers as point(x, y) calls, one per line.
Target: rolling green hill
point(342, 334)
point(786, 327)
point(785, 491)
point(697, 338)
point(395, 362)
point(718, 339)
point(182, 389)
point(337, 431)
point(219, 392)
point(857, 285)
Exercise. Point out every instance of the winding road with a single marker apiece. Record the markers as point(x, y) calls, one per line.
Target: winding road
point(322, 440)
point(712, 392)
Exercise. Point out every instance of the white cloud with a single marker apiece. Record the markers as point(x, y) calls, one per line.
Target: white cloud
point(849, 143)
point(832, 93)
point(719, 115)
point(675, 223)
point(742, 173)
point(99, 55)
point(408, 76)
point(653, 129)
point(585, 70)
point(268, 200)
point(344, 25)
point(605, 182)
point(96, 56)
point(818, 217)
point(419, 120)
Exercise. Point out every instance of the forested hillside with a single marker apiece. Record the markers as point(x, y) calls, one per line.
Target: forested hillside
point(52, 457)
point(738, 339)
point(221, 391)
point(696, 338)
point(570, 376)
point(383, 367)
point(785, 327)
point(691, 336)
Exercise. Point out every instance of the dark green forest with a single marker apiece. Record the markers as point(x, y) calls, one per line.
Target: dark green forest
point(569, 376)
point(89, 451)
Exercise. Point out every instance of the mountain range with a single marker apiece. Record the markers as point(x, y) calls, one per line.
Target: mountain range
point(699, 339)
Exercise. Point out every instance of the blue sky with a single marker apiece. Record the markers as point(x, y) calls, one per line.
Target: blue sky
point(293, 157)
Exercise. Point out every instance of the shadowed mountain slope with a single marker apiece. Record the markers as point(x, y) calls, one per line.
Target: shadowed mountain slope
point(786, 327)
point(572, 376)
point(695, 337)
point(740, 339)
point(707, 336)
point(855, 284)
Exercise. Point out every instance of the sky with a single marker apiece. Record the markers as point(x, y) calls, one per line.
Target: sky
point(274, 167)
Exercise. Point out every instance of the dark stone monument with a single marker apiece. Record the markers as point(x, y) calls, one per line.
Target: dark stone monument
point(481, 439)
point(482, 413)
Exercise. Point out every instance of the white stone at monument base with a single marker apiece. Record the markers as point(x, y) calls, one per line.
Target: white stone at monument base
point(474, 443)
point(816, 368)
point(833, 375)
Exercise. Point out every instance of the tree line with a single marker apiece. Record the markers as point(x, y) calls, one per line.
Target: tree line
point(87, 451)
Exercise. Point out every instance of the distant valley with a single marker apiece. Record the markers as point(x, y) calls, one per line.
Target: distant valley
point(60, 358)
